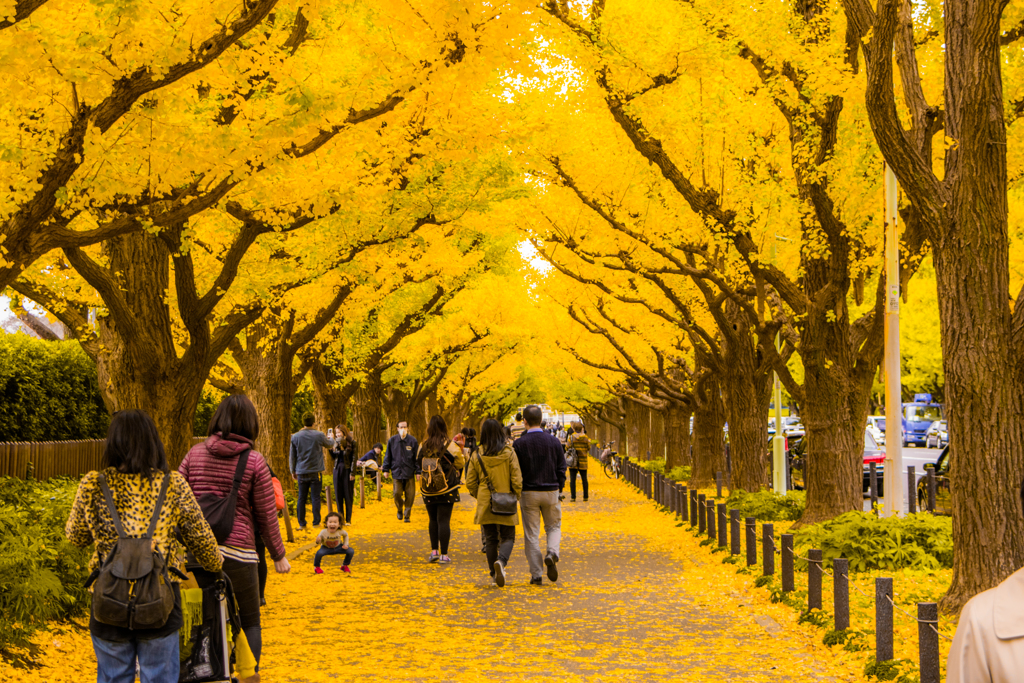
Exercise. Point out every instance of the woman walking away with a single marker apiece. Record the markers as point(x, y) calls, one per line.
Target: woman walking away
point(136, 496)
point(233, 486)
point(577, 448)
point(495, 468)
point(344, 454)
point(439, 464)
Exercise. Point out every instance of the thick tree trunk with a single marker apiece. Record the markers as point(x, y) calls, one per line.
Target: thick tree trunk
point(708, 423)
point(646, 450)
point(366, 414)
point(634, 414)
point(747, 395)
point(677, 436)
point(658, 434)
point(329, 401)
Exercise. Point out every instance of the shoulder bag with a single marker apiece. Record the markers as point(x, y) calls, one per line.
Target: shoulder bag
point(504, 504)
point(220, 512)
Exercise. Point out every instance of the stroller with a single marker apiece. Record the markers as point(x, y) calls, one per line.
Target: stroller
point(208, 654)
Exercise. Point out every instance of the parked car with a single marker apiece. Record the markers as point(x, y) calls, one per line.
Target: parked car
point(918, 417)
point(942, 491)
point(796, 451)
point(876, 423)
point(937, 435)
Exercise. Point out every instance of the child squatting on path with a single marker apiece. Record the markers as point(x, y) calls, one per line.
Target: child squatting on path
point(333, 541)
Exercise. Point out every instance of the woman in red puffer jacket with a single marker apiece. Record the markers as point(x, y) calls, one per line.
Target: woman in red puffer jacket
point(210, 468)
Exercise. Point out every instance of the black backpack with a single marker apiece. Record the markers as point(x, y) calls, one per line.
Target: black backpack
point(219, 511)
point(132, 588)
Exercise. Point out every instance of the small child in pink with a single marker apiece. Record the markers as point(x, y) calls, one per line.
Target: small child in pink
point(333, 540)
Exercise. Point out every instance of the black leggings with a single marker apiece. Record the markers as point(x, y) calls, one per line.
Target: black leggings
point(440, 526)
point(344, 492)
point(572, 483)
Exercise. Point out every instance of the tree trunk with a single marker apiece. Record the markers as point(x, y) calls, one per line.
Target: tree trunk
point(708, 423)
point(634, 414)
point(747, 386)
point(644, 435)
point(677, 436)
point(366, 414)
point(330, 404)
point(658, 434)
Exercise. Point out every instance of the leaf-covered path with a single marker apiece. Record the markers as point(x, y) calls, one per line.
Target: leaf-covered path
point(637, 599)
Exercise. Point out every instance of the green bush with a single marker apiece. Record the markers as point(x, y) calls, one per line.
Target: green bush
point(680, 473)
point(921, 541)
point(768, 506)
point(208, 403)
point(41, 574)
point(48, 391)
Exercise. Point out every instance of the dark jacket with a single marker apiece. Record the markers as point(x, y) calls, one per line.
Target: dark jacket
point(370, 455)
point(542, 461)
point(344, 454)
point(400, 457)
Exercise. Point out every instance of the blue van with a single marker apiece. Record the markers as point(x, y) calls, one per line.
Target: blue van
point(918, 417)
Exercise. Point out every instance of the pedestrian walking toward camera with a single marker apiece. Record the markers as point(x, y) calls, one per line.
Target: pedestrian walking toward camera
point(400, 461)
point(439, 466)
point(576, 454)
point(306, 462)
point(492, 472)
point(333, 540)
point(136, 496)
point(542, 462)
point(224, 471)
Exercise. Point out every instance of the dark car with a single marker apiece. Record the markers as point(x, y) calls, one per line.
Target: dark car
point(796, 451)
point(942, 493)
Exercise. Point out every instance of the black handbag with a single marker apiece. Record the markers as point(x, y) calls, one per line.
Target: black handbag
point(220, 512)
point(504, 504)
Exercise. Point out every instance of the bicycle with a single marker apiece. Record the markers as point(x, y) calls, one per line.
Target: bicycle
point(612, 462)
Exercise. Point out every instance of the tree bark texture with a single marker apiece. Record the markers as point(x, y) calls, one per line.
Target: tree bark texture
point(677, 436)
point(634, 414)
point(658, 434)
point(366, 413)
point(644, 435)
point(746, 382)
point(329, 400)
point(708, 423)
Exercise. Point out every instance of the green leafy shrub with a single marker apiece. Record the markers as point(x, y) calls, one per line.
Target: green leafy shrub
point(921, 541)
point(680, 473)
point(768, 506)
point(207, 405)
point(41, 574)
point(48, 391)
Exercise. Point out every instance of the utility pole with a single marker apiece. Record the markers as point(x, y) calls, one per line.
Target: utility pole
point(893, 383)
point(779, 441)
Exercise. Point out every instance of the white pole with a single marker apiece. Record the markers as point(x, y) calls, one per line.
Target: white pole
point(778, 442)
point(894, 476)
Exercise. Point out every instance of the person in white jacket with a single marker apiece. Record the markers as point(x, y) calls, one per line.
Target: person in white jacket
point(989, 641)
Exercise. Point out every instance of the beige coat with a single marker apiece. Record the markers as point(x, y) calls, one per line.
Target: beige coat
point(989, 642)
point(505, 476)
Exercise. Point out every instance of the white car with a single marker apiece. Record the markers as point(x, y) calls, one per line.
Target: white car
point(876, 425)
point(937, 435)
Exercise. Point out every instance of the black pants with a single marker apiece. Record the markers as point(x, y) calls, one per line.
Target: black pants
point(498, 542)
point(572, 483)
point(309, 487)
point(245, 583)
point(440, 526)
point(344, 492)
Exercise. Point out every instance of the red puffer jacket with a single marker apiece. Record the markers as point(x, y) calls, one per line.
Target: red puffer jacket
point(210, 468)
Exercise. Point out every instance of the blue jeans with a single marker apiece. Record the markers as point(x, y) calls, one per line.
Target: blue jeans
point(308, 483)
point(333, 551)
point(158, 660)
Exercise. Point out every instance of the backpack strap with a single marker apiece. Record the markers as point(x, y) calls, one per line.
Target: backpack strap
point(102, 478)
point(159, 504)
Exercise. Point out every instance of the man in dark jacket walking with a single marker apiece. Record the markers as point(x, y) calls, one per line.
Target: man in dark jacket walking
point(542, 461)
point(306, 461)
point(400, 461)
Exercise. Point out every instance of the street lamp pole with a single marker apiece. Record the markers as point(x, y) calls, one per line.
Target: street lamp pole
point(893, 384)
point(779, 483)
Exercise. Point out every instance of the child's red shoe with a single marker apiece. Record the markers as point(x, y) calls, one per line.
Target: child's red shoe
point(318, 570)
point(345, 569)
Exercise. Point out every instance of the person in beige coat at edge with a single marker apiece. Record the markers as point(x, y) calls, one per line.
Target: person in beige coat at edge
point(989, 643)
point(502, 468)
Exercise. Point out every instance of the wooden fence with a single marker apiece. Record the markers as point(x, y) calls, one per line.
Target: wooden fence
point(45, 459)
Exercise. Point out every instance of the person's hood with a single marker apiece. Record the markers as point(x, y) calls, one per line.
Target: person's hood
point(227, 448)
point(505, 453)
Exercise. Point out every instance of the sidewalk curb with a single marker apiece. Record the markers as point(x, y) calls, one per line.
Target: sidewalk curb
point(298, 551)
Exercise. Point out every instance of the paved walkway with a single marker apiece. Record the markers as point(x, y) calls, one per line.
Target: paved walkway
point(637, 600)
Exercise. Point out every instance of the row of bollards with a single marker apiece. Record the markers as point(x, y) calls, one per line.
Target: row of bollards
point(873, 487)
point(717, 522)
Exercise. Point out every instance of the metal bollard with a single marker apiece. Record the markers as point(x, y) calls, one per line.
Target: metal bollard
point(330, 499)
point(931, 487)
point(288, 525)
point(712, 534)
point(378, 484)
point(768, 548)
point(718, 484)
point(702, 514)
point(693, 508)
point(362, 489)
point(911, 489)
point(734, 529)
point(723, 526)
point(883, 620)
point(928, 641)
point(814, 580)
point(684, 504)
point(841, 592)
point(751, 541)
point(788, 580)
point(873, 467)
